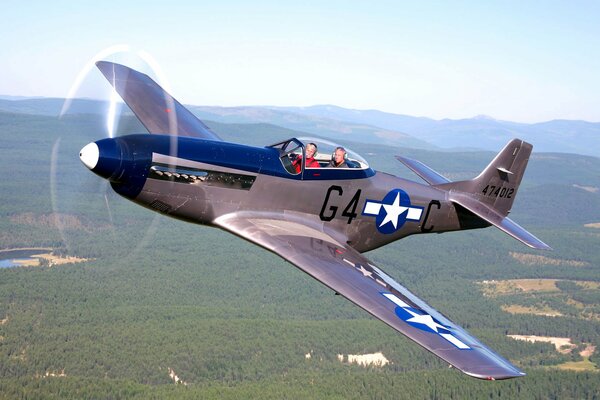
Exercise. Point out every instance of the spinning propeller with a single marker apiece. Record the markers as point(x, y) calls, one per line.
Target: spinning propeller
point(81, 202)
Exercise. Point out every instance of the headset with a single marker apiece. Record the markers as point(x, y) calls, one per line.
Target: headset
point(339, 148)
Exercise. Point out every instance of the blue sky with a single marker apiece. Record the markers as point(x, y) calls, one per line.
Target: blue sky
point(512, 60)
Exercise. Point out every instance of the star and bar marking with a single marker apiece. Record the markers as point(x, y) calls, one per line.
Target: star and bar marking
point(423, 321)
point(415, 317)
point(393, 211)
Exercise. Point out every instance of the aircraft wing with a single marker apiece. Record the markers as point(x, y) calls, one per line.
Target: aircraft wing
point(156, 109)
point(350, 274)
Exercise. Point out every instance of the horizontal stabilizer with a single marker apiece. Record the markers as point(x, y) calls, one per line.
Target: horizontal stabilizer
point(501, 222)
point(426, 173)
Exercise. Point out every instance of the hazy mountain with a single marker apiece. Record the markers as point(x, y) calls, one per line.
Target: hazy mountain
point(316, 126)
point(480, 132)
point(338, 130)
point(52, 106)
point(9, 97)
point(371, 126)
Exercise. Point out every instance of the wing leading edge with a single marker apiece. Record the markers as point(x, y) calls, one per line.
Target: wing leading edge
point(350, 274)
point(156, 109)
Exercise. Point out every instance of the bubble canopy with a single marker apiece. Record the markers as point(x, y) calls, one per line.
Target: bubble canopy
point(291, 149)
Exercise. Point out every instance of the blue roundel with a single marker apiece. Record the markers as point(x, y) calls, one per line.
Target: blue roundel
point(409, 317)
point(392, 212)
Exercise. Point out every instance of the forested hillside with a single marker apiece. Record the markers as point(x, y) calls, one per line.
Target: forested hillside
point(154, 301)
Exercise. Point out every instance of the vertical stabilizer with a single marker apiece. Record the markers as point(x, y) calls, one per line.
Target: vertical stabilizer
point(496, 186)
point(491, 194)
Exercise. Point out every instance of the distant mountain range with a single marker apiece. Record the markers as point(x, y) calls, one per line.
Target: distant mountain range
point(481, 132)
point(9, 97)
point(371, 126)
point(337, 130)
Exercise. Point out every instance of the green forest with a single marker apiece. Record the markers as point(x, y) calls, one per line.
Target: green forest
point(159, 308)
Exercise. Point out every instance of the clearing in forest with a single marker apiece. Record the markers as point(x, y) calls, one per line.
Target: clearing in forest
point(515, 286)
point(512, 286)
point(374, 359)
point(543, 311)
point(536, 259)
point(563, 345)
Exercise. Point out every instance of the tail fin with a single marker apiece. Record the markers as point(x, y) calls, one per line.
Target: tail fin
point(491, 194)
point(496, 186)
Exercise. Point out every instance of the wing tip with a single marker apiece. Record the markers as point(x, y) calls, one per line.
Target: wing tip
point(102, 65)
point(496, 377)
point(109, 68)
point(540, 246)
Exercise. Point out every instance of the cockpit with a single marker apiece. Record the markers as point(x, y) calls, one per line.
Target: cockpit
point(308, 156)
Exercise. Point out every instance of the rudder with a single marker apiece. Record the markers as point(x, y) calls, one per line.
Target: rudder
point(496, 186)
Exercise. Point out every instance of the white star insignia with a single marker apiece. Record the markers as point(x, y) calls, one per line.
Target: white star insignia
point(425, 319)
point(365, 271)
point(393, 211)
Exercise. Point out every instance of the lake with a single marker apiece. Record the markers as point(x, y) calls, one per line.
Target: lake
point(12, 258)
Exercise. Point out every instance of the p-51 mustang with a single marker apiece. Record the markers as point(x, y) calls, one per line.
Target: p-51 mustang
point(319, 218)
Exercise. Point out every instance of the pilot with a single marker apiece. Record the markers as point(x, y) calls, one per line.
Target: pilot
point(339, 158)
point(311, 152)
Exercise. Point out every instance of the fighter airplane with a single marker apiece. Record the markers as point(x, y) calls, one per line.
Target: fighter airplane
point(319, 218)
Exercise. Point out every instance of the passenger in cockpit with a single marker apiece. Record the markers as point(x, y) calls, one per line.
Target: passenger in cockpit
point(339, 158)
point(311, 151)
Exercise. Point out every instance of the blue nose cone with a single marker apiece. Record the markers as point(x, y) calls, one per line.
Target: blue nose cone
point(104, 158)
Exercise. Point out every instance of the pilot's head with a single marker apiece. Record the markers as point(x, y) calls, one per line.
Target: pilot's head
point(339, 155)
